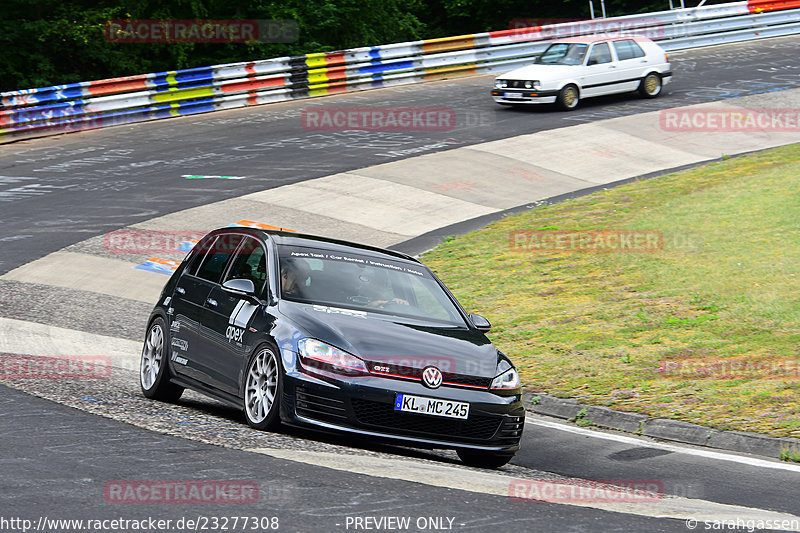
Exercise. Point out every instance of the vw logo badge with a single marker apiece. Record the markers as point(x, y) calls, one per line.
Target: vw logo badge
point(431, 377)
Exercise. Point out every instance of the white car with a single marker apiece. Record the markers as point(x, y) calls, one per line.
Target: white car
point(571, 69)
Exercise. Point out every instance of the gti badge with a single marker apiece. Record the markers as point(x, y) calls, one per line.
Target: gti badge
point(431, 377)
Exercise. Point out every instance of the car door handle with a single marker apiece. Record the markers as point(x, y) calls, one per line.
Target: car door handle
point(212, 302)
point(180, 290)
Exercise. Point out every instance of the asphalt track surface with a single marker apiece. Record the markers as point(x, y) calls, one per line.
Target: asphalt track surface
point(61, 190)
point(57, 191)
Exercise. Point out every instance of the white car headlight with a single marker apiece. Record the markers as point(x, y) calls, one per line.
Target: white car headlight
point(316, 355)
point(508, 377)
point(500, 84)
point(533, 84)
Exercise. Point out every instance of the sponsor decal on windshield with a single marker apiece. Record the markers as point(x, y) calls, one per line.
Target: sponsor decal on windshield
point(359, 260)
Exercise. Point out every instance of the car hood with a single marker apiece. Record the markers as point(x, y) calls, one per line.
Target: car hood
point(539, 72)
point(394, 341)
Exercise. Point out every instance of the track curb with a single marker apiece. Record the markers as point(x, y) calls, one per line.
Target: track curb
point(584, 415)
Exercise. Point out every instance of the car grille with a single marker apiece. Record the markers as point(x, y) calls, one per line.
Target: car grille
point(511, 430)
point(447, 377)
point(383, 415)
point(514, 84)
point(471, 381)
point(318, 406)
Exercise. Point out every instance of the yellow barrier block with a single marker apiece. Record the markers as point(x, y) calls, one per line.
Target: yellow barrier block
point(446, 44)
point(171, 79)
point(317, 77)
point(315, 60)
point(183, 94)
point(317, 91)
point(450, 72)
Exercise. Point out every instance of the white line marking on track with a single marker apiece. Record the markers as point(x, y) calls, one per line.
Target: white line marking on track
point(751, 461)
point(494, 483)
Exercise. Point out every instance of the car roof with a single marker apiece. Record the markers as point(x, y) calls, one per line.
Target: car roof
point(290, 238)
point(588, 39)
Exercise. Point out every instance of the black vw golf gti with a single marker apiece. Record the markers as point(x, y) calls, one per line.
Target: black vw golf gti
point(328, 334)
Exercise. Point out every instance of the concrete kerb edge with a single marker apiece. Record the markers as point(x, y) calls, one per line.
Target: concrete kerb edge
point(541, 403)
point(420, 244)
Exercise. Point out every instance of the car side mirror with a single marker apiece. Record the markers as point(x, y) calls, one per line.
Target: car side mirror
point(592, 61)
point(480, 322)
point(244, 287)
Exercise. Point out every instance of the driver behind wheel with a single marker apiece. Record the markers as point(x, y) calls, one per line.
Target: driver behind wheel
point(295, 274)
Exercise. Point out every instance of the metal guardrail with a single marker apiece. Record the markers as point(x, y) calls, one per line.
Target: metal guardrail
point(96, 104)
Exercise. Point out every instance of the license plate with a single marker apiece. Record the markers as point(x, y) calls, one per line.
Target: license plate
point(431, 406)
point(512, 95)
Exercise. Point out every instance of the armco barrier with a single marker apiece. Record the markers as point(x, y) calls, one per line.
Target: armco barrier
point(96, 104)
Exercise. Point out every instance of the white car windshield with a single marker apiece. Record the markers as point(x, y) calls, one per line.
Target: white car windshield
point(563, 54)
point(364, 283)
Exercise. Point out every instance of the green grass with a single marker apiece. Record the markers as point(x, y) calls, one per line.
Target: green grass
point(722, 293)
point(790, 455)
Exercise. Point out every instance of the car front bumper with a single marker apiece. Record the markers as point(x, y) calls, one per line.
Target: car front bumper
point(365, 405)
point(517, 96)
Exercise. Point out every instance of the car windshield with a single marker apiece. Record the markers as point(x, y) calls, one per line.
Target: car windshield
point(364, 283)
point(563, 54)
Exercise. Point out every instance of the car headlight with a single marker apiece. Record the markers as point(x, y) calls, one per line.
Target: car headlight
point(507, 377)
point(500, 84)
point(317, 355)
point(533, 84)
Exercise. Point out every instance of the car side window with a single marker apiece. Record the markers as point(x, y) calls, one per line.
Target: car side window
point(601, 53)
point(628, 49)
point(217, 257)
point(249, 262)
point(196, 254)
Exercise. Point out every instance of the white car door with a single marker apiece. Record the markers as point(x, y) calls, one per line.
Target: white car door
point(632, 63)
point(602, 74)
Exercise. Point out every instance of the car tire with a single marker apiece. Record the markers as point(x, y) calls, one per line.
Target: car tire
point(154, 378)
point(650, 86)
point(481, 459)
point(263, 387)
point(568, 98)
